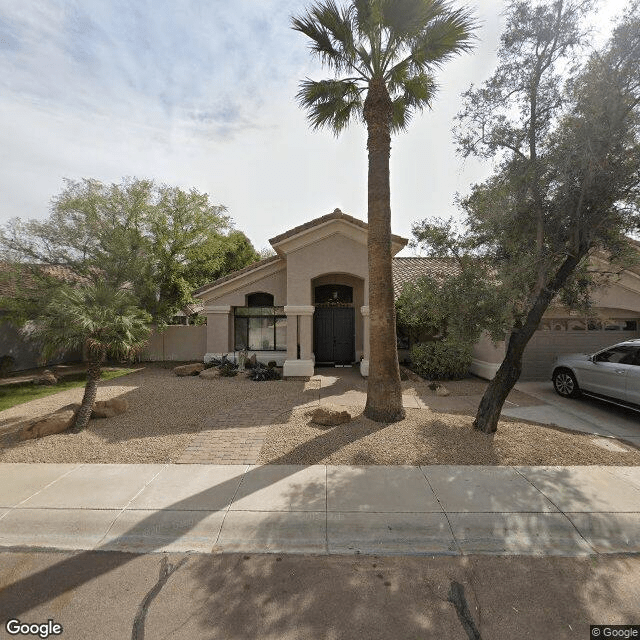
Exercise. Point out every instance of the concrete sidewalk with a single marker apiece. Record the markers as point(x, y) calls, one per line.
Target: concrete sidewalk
point(431, 510)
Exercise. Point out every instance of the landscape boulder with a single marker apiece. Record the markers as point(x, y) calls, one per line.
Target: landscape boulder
point(251, 361)
point(46, 377)
point(109, 408)
point(210, 374)
point(441, 390)
point(189, 369)
point(329, 417)
point(53, 423)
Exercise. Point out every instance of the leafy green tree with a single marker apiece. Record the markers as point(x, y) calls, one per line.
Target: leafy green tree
point(163, 242)
point(97, 318)
point(567, 177)
point(383, 54)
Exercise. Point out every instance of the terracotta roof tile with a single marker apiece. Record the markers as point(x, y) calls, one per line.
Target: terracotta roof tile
point(406, 270)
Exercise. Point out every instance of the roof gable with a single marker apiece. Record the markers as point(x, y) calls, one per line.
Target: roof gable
point(325, 226)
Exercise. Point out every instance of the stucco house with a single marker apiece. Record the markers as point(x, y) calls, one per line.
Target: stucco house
point(308, 305)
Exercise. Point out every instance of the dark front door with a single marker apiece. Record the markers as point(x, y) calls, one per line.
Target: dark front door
point(334, 335)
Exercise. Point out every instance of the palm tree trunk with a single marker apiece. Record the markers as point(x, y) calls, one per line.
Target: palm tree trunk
point(384, 393)
point(94, 370)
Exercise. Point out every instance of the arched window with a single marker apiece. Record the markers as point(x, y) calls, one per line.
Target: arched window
point(260, 300)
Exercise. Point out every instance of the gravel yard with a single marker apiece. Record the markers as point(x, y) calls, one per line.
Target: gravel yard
point(166, 412)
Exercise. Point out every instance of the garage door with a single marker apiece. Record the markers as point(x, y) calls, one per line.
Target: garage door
point(545, 346)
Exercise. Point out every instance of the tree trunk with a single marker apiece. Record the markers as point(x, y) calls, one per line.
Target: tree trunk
point(505, 379)
point(384, 393)
point(94, 370)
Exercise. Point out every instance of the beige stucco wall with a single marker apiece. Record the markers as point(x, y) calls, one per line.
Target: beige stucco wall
point(235, 295)
point(335, 254)
point(176, 343)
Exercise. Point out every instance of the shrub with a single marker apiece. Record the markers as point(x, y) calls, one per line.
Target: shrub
point(6, 365)
point(442, 360)
point(261, 373)
point(272, 364)
point(228, 370)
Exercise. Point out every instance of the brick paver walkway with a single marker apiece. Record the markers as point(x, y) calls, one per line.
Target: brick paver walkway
point(235, 437)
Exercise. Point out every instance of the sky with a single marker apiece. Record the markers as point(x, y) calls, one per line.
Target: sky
point(201, 95)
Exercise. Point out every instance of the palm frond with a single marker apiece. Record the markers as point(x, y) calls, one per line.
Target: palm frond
point(444, 37)
point(331, 103)
point(104, 318)
point(331, 31)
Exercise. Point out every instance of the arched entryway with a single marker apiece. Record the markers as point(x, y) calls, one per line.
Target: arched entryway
point(334, 335)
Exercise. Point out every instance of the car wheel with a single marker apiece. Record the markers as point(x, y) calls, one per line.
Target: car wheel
point(565, 383)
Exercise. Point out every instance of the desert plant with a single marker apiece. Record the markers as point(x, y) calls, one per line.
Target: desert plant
point(441, 360)
point(260, 373)
point(99, 318)
point(228, 370)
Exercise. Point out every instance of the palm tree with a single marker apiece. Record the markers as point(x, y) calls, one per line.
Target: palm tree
point(382, 54)
point(97, 318)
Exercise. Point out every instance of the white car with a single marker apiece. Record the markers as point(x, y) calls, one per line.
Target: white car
point(612, 374)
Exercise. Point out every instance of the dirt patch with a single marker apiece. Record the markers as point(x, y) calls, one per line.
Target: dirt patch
point(428, 437)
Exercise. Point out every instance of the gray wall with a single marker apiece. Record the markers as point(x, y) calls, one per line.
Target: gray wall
point(545, 346)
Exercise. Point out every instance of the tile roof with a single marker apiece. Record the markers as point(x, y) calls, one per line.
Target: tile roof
point(336, 214)
point(406, 270)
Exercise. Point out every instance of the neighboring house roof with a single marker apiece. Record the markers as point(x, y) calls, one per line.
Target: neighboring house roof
point(405, 270)
point(13, 273)
point(336, 214)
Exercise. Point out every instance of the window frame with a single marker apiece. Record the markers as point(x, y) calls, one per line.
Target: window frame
point(246, 314)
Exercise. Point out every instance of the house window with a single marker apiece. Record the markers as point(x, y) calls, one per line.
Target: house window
point(258, 327)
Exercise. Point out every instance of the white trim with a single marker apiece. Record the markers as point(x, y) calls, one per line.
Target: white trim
point(299, 310)
point(364, 368)
point(484, 369)
point(364, 310)
point(224, 308)
point(297, 368)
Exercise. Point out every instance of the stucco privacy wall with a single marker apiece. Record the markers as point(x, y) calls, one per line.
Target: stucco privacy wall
point(176, 343)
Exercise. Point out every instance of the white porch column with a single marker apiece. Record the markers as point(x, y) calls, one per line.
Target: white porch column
point(219, 331)
point(364, 363)
point(303, 366)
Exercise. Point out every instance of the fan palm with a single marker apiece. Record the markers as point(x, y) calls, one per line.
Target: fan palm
point(382, 54)
point(97, 318)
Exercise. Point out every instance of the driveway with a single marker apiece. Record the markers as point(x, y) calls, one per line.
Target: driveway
point(582, 414)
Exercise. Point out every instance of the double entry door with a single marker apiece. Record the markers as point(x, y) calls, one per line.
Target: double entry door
point(334, 335)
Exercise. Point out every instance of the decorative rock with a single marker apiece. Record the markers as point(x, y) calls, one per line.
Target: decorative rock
point(251, 361)
point(46, 377)
point(189, 369)
point(329, 417)
point(442, 391)
point(54, 423)
point(209, 374)
point(109, 408)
